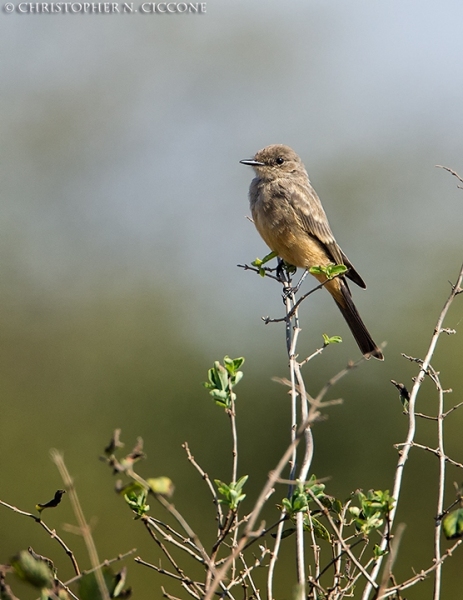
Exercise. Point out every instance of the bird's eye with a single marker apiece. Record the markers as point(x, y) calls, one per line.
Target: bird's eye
point(280, 160)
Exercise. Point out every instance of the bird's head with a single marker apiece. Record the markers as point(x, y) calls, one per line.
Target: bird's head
point(275, 161)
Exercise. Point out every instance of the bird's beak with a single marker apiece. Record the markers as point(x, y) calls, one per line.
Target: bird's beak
point(252, 163)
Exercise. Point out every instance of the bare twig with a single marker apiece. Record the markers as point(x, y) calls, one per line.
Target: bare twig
point(188, 584)
point(167, 595)
point(331, 382)
point(306, 415)
point(51, 532)
point(297, 387)
point(162, 571)
point(405, 451)
point(105, 563)
point(85, 531)
point(249, 532)
point(274, 557)
point(392, 556)
point(205, 476)
point(292, 333)
point(338, 556)
point(291, 313)
point(347, 549)
point(266, 269)
point(440, 493)
point(246, 574)
point(184, 544)
point(434, 451)
point(452, 409)
point(232, 414)
point(170, 508)
point(313, 355)
point(419, 576)
point(454, 173)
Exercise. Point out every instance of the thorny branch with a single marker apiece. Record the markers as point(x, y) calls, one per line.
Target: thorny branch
point(425, 369)
point(51, 532)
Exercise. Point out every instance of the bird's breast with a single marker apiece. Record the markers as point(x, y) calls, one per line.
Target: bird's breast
point(281, 230)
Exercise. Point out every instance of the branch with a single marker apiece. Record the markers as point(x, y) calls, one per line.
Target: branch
point(436, 451)
point(403, 457)
point(52, 533)
point(419, 576)
point(249, 532)
point(454, 173)
point(440, 493)
point(105, 563)
point(84, 528)
point(205, 476)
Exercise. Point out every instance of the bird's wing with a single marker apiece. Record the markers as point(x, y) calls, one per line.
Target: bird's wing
point(313, 220)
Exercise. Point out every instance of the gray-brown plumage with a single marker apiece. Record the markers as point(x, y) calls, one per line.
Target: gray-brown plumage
point(290, 218)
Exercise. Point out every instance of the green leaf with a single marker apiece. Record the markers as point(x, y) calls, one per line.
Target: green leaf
point(335, 339)
point(452, 524)
point(240, 483)
point(231, 493)
point(89, 590)
point(238, 377)
point(222, 379)
point(220, 395)
point(299, 502)
point(137, 502)
point(377, 552)
point(336, 270)
point(161, 485)
point(233, 364)
point(329, 271)
point(302, 495)
point(319, 529)
point(287, 505)
point(317, 489)
point(375, 505)
point(261, 261)
point(119, 582)
point(34, 571)
point(286, 533)
point(328, 501)
point(131, 488)
point(404, 394)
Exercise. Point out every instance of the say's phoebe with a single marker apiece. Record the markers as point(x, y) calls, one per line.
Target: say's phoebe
point(290, 218)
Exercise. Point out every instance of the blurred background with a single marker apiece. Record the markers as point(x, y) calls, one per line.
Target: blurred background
point(123, 219)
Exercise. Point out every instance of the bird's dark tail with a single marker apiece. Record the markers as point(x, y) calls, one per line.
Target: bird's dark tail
point(361, 335)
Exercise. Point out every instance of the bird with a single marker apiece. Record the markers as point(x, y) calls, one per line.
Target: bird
point(290, 218)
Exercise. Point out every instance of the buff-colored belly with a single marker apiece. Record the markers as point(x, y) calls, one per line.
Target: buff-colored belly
point(296, 247)
point(292, 244)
